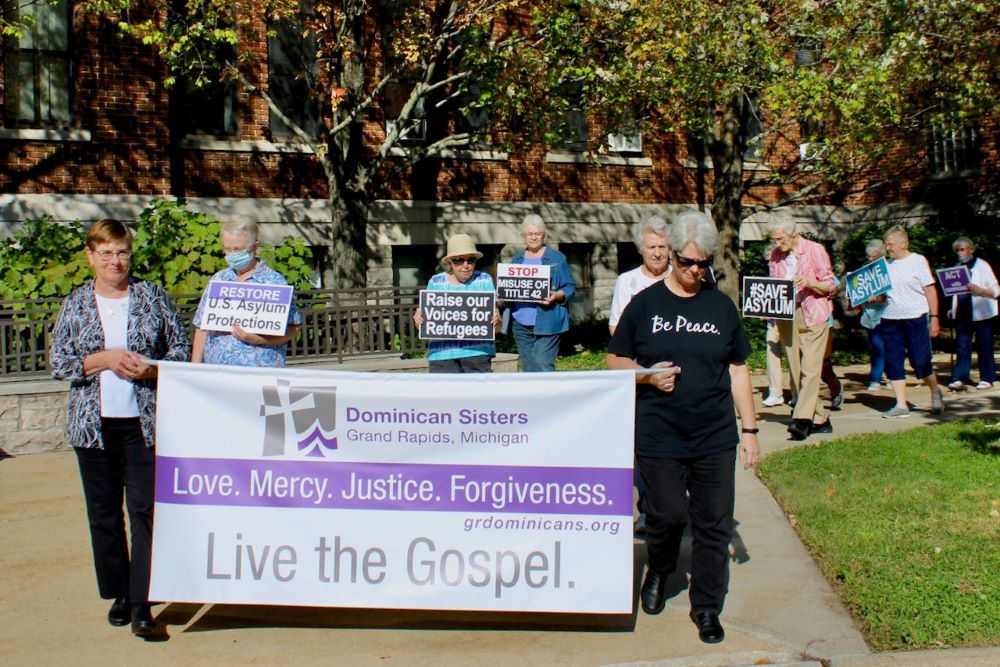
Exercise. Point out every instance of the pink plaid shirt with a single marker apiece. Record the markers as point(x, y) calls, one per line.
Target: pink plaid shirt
point(813, 264)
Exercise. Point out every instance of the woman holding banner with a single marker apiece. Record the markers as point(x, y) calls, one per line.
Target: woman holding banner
point(686, 439)
point(239, 347)
point(974, 313)
point(537, 327)
point(103, 340)
point(460, 356)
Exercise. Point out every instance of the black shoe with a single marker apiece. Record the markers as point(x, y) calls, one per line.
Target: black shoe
point(709, 629)
point(800, 429)
point(825, 427)
point(653, 594)
point(143, 624)
point(119, 614)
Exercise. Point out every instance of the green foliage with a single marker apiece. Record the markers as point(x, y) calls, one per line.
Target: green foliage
point(905, 526)
point(42, 259)
point(173, 246)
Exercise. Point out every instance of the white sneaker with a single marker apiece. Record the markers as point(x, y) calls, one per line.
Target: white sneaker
point(956, 385)
point(772, 401)
point(874, 386)
point(983, 384)
point(837, 401)
point(896, 413)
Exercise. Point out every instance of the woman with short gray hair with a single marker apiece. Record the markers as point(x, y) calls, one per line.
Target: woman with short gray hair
point(537, 327)
point(686, 437)
point(974, 314)
point(650, 238)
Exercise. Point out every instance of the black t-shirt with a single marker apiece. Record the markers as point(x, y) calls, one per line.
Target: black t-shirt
point(703, 335)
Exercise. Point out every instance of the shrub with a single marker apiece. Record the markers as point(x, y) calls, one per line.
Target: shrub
point(173, 246)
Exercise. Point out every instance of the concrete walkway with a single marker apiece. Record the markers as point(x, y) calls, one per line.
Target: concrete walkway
point(780, 609)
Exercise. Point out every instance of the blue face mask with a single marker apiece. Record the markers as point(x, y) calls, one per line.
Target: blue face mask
point(239, 260)
point(965, 260)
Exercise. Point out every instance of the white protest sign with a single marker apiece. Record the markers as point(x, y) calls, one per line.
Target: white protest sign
point(257, 308)
point(526, 283)
point(500, 492)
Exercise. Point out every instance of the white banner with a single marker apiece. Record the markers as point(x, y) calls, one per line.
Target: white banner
point(500, 492)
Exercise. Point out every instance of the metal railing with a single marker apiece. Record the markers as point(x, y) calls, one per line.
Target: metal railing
point(335, 324)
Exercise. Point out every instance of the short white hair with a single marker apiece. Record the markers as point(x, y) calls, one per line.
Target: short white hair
point(532, 220)
point(786, 226)
point(697, 228)
point(241, 226)
point(655, 225)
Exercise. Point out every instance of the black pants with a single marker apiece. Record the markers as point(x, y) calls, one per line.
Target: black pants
point(477, 364)
point(702, 488)
point(123, 468)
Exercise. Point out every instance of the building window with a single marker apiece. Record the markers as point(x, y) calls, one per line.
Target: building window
point(396, 95)
point(210, 105)
point(413, 265)
point(37, 65)
point(574, 122)
point(291, 65)
point(751, 128)
point(953, 148)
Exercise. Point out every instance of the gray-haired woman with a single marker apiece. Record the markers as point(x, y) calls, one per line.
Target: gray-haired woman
point(686, 439)
point(650, 238)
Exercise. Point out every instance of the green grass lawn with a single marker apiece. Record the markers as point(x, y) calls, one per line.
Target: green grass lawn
point(906, 527)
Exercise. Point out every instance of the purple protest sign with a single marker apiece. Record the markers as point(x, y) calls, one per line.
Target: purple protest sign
point(954, 280)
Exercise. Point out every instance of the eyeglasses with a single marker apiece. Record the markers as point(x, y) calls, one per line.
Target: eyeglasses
point(533, 235)
point(687, 262)
point(106, 255)
point(463, 260)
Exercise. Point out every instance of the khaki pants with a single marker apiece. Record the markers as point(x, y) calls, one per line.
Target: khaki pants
point(775, 382)
point(804, 347)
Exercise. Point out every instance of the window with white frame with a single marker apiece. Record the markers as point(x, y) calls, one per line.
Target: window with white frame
point(414, 128)
point(953, 148)
point(37, 64)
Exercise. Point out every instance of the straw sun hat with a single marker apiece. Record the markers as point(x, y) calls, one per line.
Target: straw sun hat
point(461, 245)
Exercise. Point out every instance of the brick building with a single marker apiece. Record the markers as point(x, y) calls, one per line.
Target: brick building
point(90, 131)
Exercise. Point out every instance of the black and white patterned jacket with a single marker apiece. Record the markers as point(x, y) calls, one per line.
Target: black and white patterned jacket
point(154, 331)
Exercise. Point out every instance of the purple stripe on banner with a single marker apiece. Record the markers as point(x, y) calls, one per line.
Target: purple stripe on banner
point(394, 486)
point(250, 292)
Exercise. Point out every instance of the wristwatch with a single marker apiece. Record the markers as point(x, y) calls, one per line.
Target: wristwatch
point(751, 431)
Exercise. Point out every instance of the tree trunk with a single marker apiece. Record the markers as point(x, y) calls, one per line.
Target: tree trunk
point(727, 206)
point(348, 237)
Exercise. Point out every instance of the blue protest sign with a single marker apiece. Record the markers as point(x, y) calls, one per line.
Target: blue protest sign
point(868, 281)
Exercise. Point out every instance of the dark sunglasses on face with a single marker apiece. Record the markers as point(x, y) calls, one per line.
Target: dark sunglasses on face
point(687, 262)
point(463, 260)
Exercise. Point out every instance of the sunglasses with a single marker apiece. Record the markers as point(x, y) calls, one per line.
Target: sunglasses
point(463, 260)
point(687, 262)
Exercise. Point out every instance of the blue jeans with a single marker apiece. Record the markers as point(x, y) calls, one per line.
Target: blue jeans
point(983, 330)
point(538, 351)
point(878, 355)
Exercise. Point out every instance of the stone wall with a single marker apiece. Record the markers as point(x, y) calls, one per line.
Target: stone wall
point(33, 416)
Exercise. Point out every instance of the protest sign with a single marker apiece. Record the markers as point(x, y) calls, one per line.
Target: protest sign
point(869, 281)
point(457, 315)
point(954, 280)
point(501, 492)
point(770, 298)
point(526, 283)
point(259, 309)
